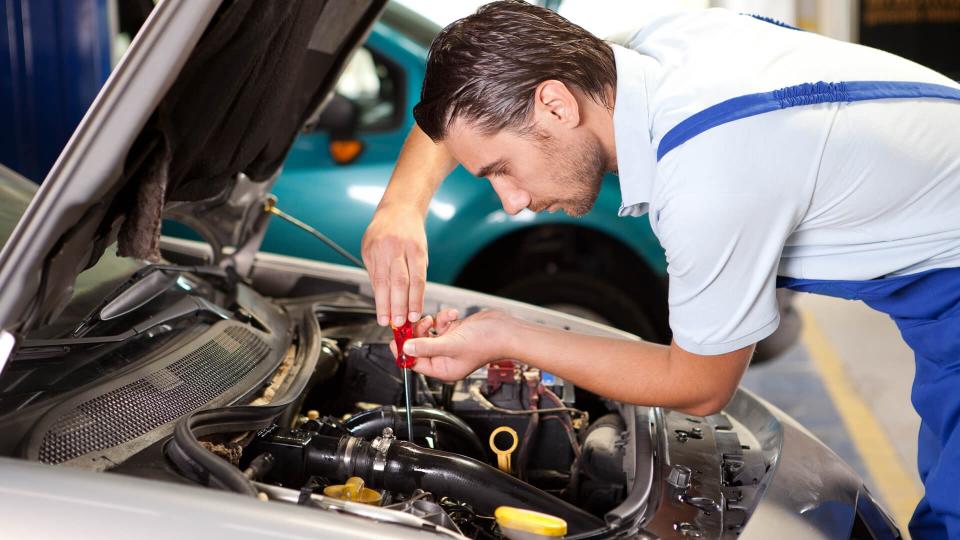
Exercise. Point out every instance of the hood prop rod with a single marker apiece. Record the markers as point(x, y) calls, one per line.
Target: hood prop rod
point(270, 205)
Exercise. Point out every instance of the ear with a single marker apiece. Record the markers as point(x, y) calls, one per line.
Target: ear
point(554, 102)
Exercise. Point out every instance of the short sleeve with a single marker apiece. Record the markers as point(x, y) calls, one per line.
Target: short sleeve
point(722, 257)
point(723, 222)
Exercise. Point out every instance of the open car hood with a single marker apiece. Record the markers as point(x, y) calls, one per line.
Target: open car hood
point(194, 123)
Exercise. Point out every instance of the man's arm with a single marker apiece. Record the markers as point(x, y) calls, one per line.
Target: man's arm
point(394, 246)
point(630, 371)
point(635, 372)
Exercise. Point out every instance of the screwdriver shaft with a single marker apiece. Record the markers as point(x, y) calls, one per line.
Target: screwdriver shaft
point(406, 398)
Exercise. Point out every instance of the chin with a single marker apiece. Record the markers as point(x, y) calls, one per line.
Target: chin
point(579, 209)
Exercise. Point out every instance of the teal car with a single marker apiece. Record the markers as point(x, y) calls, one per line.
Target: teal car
point(601, 267)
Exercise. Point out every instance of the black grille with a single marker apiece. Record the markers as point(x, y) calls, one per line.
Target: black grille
point(137, 408)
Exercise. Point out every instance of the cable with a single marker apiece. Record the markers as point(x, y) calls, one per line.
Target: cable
point(424, 389)
point(485, 403)
point(564, 421)
point(533, 426)
point(270, 206)
point(573, 485)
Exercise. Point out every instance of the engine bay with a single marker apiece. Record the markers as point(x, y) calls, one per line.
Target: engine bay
point(506, 436)
point(296, 399)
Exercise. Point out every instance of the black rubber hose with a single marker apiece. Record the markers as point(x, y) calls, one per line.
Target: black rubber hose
point(407, 467)
point(370, 424)
point(200, 465)
point(197, 463)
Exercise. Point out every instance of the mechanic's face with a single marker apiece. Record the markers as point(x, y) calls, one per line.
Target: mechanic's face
point(540, 170)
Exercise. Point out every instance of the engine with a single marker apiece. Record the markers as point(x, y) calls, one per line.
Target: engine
point(507, 436)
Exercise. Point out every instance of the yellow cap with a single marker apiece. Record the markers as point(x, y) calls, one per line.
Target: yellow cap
point(354, 491)
point(529, 521)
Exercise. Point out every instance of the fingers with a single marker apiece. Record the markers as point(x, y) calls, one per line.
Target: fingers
point(394, 249)
point(438, 368)
point(426, 366)
point(385, 259)
point(444, 319)
point(399, 290)
point(443, 368)
point(380, 278)
point(417, 271)
point(422, 328)
point(426, 347)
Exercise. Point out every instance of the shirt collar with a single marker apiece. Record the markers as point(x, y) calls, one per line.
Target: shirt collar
point(636, 156)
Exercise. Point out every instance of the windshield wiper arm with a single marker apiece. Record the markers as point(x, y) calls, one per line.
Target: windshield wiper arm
point(138, 294)
point(188, 305)
point(142, 288)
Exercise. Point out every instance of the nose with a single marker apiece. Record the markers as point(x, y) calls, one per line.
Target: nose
point(512, 197)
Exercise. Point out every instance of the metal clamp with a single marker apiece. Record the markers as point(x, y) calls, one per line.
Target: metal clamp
point(347, 447)
point(381, 444)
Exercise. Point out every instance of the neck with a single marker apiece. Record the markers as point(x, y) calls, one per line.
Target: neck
point(601, 125)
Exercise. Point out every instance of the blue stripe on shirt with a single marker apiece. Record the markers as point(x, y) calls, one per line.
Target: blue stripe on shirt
point(796, 96)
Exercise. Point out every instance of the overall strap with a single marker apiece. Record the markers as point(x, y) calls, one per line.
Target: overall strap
point(796, 96)
point(773, 21)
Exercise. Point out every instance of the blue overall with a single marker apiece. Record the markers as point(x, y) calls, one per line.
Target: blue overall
point(925, 306)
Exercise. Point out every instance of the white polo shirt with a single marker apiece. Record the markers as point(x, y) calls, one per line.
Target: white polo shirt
point(836, 191)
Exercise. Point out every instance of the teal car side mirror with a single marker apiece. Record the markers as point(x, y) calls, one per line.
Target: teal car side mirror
point(340, 118)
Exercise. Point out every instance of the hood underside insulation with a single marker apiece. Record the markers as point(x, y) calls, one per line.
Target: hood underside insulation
point(258, 73)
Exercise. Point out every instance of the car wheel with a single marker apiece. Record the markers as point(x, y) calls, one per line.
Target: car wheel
point(585, 296)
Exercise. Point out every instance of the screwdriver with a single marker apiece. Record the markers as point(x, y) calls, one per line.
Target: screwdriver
point(400, 335)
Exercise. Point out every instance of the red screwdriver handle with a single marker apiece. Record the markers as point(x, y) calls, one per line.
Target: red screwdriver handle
point(400, 335)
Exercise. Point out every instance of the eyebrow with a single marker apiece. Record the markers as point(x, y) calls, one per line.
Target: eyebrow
point(487, 169)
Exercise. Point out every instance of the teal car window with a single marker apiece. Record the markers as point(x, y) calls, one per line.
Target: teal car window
point(375, 86)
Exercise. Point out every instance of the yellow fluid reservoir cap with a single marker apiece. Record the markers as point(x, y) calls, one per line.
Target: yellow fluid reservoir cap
point(353, 491)
point(531, 522)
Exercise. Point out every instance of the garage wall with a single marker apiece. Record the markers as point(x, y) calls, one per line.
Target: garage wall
point(54, 57)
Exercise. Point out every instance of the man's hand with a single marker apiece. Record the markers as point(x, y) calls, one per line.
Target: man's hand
point(461, 346)
point(395, 245)
point(625, 370)
point(395, 254)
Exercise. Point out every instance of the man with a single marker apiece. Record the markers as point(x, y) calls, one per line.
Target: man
point(765, 156)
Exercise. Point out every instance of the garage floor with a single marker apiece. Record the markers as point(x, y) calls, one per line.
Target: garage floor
point(849, 383)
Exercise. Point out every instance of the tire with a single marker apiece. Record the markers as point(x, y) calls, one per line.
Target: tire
point(586, 296)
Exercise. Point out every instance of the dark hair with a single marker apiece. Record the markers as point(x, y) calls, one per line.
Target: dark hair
point(484, 68)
